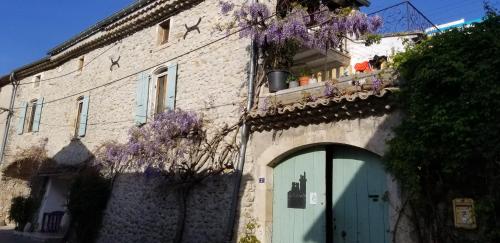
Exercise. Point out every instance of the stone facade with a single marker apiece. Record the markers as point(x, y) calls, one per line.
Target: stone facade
point(142, 211)
point(10, 188)
point(210, 80)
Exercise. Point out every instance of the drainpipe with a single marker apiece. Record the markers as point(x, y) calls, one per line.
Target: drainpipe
point(245, 132)
point(14, 83)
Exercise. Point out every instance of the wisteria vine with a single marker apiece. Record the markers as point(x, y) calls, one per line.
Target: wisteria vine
point(281, 37)
point(175, 144)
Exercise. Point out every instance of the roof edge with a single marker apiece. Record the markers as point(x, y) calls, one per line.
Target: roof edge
point(365, 3)
point(5, 79)
point(98, 26)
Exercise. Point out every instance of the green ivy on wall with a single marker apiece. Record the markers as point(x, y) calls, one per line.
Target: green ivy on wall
point(448, 144)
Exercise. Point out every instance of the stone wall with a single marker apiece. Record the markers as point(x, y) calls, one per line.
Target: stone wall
point(144, 210)
point(10, 188)
point(211, 81)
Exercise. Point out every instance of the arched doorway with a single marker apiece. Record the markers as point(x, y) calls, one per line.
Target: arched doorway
point(331, 193)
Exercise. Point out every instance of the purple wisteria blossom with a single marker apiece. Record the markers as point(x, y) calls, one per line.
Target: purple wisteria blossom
point(226, 7)
point(156, 145)
point(322, 28)
point(175, 145)
point(377, 84)
point(330, 90)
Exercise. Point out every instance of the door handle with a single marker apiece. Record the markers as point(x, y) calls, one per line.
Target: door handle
point(343, 234)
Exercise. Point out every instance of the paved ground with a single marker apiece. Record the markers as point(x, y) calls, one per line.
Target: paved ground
point(7, 236)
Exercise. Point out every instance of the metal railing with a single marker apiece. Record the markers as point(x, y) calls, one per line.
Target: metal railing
point(403, 17)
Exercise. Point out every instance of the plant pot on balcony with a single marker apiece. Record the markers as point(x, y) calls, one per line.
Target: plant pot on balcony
point(304, 80)
point(293, 84)
point(277, 80)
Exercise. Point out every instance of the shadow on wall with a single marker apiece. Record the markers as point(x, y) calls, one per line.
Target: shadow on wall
point(58, 177)
point(356, 209)
point(364, 201)
point(35, 177)
point(74, 153)
point(140, 209)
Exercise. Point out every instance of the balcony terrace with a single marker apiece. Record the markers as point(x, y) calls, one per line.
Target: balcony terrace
point(347, 97)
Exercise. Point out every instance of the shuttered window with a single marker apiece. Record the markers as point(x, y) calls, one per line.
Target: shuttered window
point(164, 91)
point(38, 115)
point(142, 99)
point(22, 116)
point(81, 116)
point(161, 93)
point(172, 86)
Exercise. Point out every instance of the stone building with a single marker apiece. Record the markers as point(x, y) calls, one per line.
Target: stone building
point(163, 54)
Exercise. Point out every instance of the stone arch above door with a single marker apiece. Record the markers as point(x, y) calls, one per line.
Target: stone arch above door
point(367, 133)
point(267, 149)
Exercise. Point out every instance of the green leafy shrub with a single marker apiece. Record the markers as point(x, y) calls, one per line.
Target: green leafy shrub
point(22, 210)
point(88, 197)
point(448, 144)
point(250, 228)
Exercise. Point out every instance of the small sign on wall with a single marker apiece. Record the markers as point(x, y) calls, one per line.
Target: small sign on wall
point(313, 198)
point(464, 215)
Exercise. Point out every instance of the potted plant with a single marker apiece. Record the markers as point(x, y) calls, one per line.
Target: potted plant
point(304, 76)
point(277, 80)
point(292, 81)
point(278, 60)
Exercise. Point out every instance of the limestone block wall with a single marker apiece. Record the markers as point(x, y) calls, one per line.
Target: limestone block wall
point(5, 94)
point(142, 210)
point(10, 189)
point(211, 81)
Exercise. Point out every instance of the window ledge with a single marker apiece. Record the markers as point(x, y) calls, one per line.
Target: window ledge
point(160, 47)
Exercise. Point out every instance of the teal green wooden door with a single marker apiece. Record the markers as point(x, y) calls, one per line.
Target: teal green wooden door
point(360, 212)
point(299, 198)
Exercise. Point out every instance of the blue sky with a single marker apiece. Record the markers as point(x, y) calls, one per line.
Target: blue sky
point(29, 28)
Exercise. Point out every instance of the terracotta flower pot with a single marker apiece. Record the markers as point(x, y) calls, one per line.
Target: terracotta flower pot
point(304, 80)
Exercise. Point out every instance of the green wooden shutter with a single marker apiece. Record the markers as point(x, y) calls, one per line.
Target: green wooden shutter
point(22, 116)
point(83, 117)
point(38, 113)
point(142, 99)
point(172, 86)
